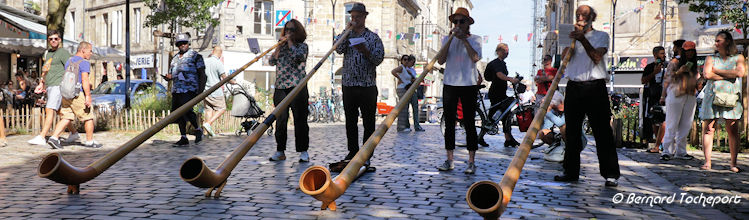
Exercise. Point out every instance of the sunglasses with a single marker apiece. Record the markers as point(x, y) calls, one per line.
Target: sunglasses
point(53, 38)
point(460, 21)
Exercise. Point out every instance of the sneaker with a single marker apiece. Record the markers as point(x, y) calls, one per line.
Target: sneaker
point(471, 168)
point(512, 143)
point(72, 138)
point(666, 157)
point(54, 143)
point(304, 157)
point(278, 156)
point(419, 129)
point(38, 140)
point(3, 143)
point(447, 165)
point(183, 142)
point(611, 182)
point(209, 129)
point(483, 143)
point(685, 157)
point(92, 144)
point(404, 130)
point(198, 136)
point(566, 178)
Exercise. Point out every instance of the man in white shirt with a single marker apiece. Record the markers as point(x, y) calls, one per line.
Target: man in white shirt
point(587, 96)
point(460, 83)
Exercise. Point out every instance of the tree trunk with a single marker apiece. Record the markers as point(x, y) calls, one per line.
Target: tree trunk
point(56, 15)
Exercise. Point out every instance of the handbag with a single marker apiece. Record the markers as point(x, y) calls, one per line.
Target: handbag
point(726, 94)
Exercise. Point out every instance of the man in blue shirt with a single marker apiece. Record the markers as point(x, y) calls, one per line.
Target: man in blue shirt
point(80, 106)
point(186, 71)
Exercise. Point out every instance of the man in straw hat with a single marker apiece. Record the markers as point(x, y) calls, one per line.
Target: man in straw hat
point(587, 96)
point(362, 53)
point(460, 83)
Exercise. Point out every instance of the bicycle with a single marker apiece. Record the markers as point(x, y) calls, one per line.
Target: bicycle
point(490, 125)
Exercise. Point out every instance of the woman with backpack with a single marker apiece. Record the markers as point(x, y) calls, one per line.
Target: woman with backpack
point(722, 96)
point(679, 95)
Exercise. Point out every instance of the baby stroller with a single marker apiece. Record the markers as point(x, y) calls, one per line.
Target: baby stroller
point(244, 106)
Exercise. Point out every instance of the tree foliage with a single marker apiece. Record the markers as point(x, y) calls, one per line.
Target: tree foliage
point(733, 11)
point(185, 13)
point(56, 15)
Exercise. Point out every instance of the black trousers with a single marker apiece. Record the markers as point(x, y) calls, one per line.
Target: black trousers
point(299, 110)
point(507, 119)
point(467, 96)
point(357, 99)
point(590, 99)
point(179, 99)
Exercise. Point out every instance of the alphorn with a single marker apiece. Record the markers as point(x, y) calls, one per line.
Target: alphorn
point(55, 168)
point(316, 180)
point(490, 199)
point(194, 170)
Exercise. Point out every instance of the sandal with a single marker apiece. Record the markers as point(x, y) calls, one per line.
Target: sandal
point(734, 169)
point(653, 150)
point(705, 167)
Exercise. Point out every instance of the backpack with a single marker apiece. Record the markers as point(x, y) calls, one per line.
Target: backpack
point(70, 85)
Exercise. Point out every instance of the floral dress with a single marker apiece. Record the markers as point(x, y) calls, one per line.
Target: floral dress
point(708, 111)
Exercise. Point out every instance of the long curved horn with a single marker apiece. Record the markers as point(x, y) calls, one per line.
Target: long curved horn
point(194, 170)
point(55, 168)
point(490, 199)
point(316, 180)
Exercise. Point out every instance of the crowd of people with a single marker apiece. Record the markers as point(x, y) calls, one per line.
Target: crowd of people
point(676, 85)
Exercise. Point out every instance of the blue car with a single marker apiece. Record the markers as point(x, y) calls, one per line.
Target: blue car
point(110, 95)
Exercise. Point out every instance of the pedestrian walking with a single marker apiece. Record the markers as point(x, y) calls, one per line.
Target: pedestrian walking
point(81, 106)
point(586, 95)
point(723, 72)
point(406, 75)
point(497, 73)
point(362, 53)
point(52, 71)
point(680, 97)
point(460, 83)
point(215, 103)
point(290, 60)
point(186, 70)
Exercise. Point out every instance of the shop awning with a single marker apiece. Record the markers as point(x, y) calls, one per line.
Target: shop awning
point(36, 30)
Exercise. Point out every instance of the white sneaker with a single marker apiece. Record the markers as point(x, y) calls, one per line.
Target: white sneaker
point(279, 155)
point(73, 137)
point(38, 140)
point(304, 157)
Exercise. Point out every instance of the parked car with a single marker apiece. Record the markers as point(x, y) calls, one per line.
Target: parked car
point(110, 95)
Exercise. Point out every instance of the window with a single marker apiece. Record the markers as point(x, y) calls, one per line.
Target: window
point(258, 17)
point(138, 24)
point(239, 30)
point(268, 16)
point(717, 23)
point(72, 25)
point(116, 28)
point(263, 17)
point(107, 30)
point(91, 26)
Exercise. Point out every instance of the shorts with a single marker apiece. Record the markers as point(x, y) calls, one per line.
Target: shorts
point(215, 103)
point(54, 98)
point(552, 120)
point(76, 108)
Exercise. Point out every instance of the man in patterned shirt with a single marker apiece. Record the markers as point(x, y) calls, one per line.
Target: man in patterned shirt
point(186, 70)
point(359, 72)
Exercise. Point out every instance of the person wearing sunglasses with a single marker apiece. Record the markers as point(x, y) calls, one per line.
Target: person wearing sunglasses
point(187, 71)
point(52, 71)
point(460, 83)
point(290, 60)
point(587, 95)
point(360, 61)
point(406, 75)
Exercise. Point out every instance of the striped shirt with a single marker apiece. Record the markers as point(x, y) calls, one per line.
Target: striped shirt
point(357, 69)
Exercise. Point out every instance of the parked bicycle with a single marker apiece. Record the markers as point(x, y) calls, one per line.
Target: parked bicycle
point(325, 109)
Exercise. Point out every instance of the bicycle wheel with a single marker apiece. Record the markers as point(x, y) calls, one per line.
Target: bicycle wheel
point(311, 113)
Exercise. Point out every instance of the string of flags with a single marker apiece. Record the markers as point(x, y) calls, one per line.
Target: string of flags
point(13, 28)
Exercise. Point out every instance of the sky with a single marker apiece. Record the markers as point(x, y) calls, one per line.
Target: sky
point(506, 18)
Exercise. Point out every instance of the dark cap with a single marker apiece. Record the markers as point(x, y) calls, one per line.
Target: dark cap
point(359, 7)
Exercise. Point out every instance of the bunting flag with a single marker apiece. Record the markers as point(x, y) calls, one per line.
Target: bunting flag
point(486, 39)
point(737, 29)
point(390, 34)
point(500, 38)
point(515, 38)
point(530, 35)
point(417, 36)
point(227, 3)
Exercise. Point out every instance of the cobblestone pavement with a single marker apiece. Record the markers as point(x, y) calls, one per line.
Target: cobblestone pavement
point(406, 185)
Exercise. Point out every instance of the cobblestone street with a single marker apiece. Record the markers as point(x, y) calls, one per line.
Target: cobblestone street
point(146, 183)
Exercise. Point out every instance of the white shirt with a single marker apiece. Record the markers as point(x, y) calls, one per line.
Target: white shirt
point(407, 73)
point(460, 70)
point(581, 68)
